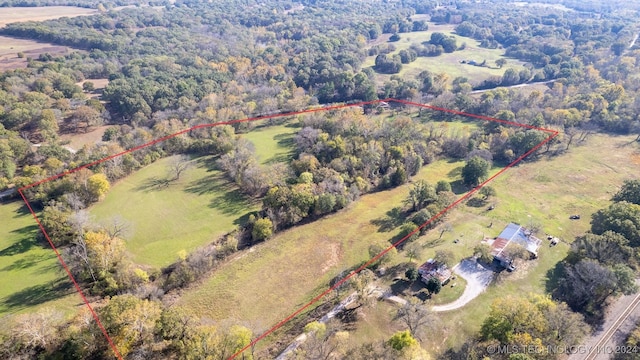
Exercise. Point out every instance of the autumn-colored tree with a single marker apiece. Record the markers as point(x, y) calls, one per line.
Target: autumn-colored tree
point(97, 186)
point(130, 322)
point(104, 251)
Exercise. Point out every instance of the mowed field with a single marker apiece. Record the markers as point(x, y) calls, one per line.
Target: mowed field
point(163, 220)
point(30, 275)
point(447, 63)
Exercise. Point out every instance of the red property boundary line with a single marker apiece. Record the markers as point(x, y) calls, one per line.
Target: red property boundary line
point(552, 134)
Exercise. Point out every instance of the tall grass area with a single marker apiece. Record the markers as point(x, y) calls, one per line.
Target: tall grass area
point(448, 63)
point(30, 275)
point(187, 213)
point(273, 279)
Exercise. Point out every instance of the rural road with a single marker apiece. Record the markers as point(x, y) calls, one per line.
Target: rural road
point(620, 320)
point(477, 277)
point(633, 42)
point(512, 86)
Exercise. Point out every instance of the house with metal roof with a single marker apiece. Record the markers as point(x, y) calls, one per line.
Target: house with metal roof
point(513, 235)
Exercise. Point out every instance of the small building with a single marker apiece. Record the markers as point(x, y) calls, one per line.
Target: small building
point(432, 269)
point(513, 235)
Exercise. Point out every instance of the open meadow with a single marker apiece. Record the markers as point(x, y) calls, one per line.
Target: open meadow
point(183, 215)
point(447, 63)
point(30, 275)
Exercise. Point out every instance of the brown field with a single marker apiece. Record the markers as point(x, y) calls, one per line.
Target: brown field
point(77, 141)
point(10, 47)
point(17, 14)
point(98, 84)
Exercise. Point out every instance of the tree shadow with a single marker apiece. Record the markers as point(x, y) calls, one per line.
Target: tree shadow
point(38, 294)
point(476, 202)
point(392, 219)
point(231, 202)
point(154, 183)
point(28, 241)
point(22, 211)
point(553, 277)
point(208, 162)
point(26, 262)
point(215, 183)
point(458, 187)
point(433, 243)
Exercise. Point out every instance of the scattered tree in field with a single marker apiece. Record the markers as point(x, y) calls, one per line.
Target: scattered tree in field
point(262, 229)
point(501, 62)
point(413, 251)
point(406, 229)
point(415, 316)
point(475, 171)
point(483, 252)
point(177, 166)
point(402, 340)
point(375, 249)
point(433, 285)
point(442, 186)
point(88, 86)
point(444, 257)
point(487, 192)
point(420, 195)
point(412, 274)
point(445, 228)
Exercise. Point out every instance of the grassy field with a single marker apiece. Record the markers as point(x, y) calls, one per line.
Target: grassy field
point(273, 279)
point(447, 63)
point(273, 143)
point(188, 213)
point(30, 276)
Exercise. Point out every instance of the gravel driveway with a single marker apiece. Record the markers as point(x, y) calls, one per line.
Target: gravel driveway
point(477, 277)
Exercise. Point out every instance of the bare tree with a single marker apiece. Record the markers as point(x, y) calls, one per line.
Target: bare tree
point(445, 228)
point(118, 227)
point(415, 316)
point(178, 165)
